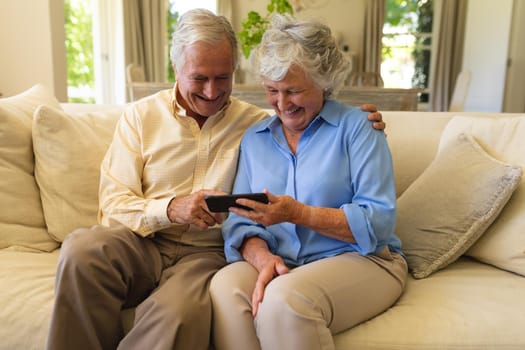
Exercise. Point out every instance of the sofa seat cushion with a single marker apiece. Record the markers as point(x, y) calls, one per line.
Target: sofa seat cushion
point(468, 305)
point(27, 281)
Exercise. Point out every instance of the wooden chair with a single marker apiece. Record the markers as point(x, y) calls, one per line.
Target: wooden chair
point(134, 74)
point(362, 79)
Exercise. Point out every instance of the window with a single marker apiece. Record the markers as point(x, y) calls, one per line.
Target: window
point(95, 52)
point(95, 47)
point(407, 44)
point(79, 51)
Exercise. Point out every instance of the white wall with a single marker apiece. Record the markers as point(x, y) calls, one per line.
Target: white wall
point(485, 53)
point(26, 39)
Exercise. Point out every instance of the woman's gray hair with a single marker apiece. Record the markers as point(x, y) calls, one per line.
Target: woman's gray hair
point(201, 25)
point(307, 44)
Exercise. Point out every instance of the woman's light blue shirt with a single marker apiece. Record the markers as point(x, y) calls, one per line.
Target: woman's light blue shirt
point(340, 162)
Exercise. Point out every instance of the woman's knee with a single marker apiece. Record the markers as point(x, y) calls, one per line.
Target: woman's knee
point(231, 278)
point(220, 283)
point(285, 299)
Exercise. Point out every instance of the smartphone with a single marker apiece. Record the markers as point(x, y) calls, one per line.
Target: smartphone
point(221, 203)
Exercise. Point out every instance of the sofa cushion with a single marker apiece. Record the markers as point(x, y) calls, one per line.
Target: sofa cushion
point(403, 133)
point(503, 245)
point(468, 305)
point(22, 225)
point(68, 151)
point(27, 284)
point(452, 203)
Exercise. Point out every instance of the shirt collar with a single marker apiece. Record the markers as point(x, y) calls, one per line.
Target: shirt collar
point(328, 114)
point(178, 109)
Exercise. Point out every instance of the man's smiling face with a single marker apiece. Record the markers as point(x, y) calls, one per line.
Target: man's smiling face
point(205, 80)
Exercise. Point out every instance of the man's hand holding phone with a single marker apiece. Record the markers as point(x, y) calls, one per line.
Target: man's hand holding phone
point(192, 209)
point(223, 203)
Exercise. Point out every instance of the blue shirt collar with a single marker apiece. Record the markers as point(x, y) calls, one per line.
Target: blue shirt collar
point(329, 114)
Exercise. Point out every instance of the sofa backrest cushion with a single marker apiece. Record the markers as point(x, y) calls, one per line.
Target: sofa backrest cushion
point(503, 244)
point(446, 209)
point(68, 151)
point(413, 138)
point(22, 225)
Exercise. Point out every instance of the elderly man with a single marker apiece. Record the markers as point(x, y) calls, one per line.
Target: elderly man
point(158, 245)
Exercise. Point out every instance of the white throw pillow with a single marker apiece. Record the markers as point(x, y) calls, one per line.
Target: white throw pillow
point(503, 245)
point(68, 152)
point(22, 225)
point(447, 208)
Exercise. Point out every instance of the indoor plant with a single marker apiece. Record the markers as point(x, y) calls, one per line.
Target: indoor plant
point(254, 26)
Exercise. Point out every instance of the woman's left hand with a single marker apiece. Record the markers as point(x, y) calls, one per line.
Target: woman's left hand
point(279, 209)
point(255, 251)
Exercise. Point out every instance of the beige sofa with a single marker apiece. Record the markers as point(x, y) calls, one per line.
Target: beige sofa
point(470, 285)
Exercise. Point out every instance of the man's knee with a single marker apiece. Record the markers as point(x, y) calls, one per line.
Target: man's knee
point(84, 246)
point(77, 244)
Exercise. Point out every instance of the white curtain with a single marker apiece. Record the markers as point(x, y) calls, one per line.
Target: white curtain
point(449, 53)
point(145, 36)
point(373, 32)
point(109, 63)
point(224, 8)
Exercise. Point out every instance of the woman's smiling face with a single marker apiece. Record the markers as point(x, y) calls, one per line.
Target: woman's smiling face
point(295, 99)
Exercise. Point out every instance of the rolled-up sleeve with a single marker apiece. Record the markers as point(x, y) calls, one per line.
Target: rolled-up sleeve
point(372, 212)
point(237, 229)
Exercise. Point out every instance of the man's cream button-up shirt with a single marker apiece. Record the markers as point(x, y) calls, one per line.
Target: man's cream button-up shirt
point(158, 153)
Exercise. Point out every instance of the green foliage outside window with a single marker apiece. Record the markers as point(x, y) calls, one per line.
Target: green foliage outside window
point(421, 55)
point(400, 13)
point(411, 17)
point(79, 47)
point(255, 25)
point(173, 16)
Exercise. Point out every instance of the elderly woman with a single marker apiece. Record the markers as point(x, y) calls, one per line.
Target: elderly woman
point(322, 255)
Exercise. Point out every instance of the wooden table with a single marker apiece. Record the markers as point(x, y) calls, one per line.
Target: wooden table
point(386, 99)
